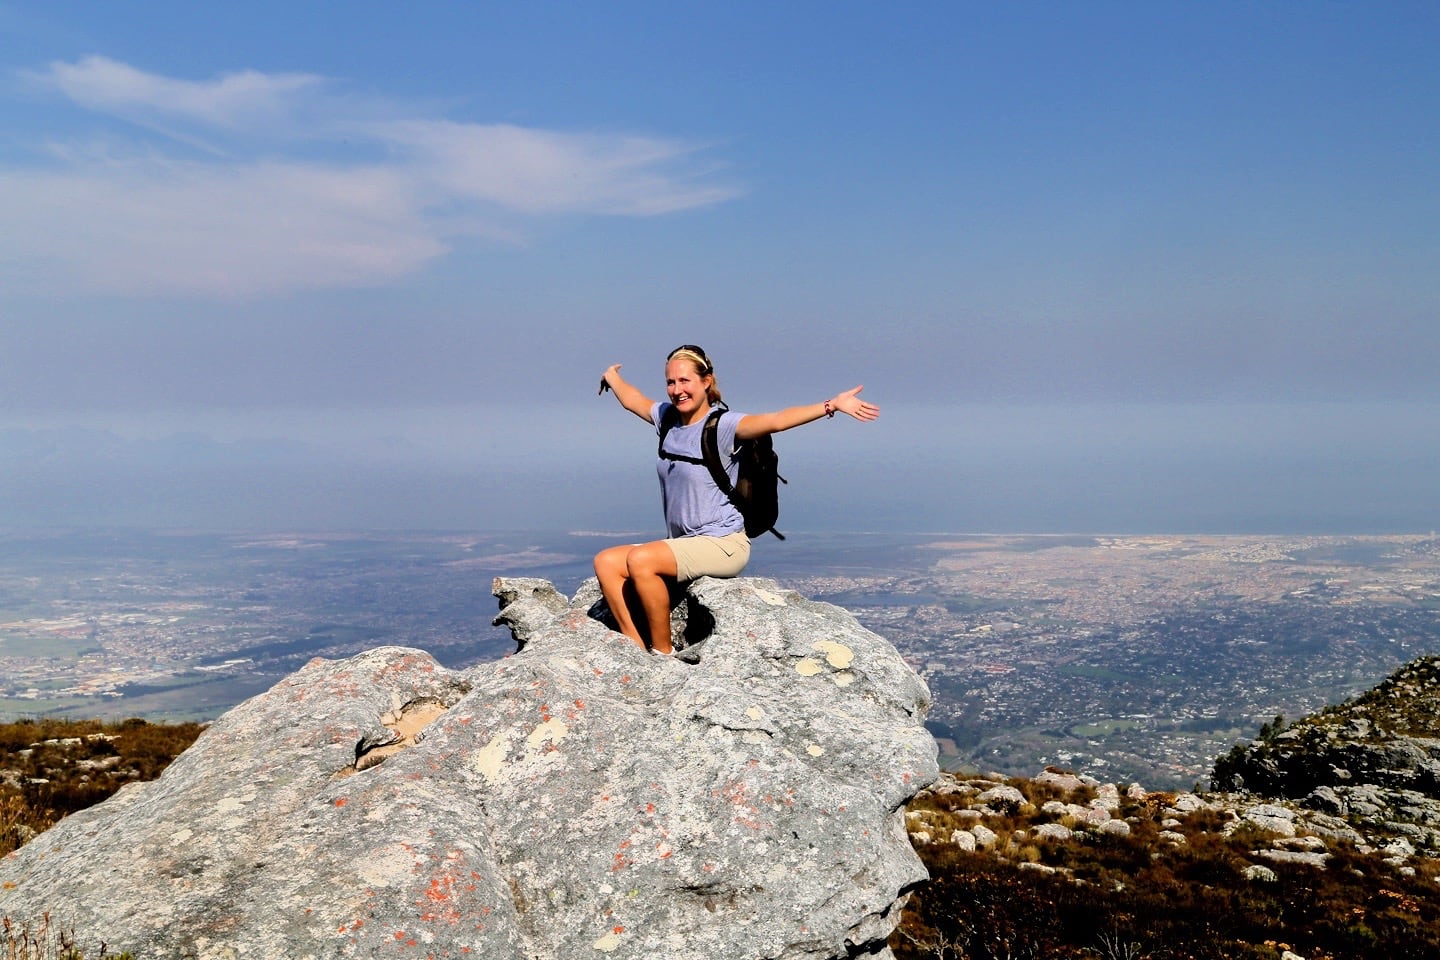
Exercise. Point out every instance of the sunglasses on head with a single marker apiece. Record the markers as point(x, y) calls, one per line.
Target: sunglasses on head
point(691, 348)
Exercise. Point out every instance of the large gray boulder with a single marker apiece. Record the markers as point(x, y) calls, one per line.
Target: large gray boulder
point(581, 798)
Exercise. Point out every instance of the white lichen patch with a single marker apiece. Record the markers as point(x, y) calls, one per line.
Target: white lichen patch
point(232, 804)
point(755, 713)
point(380, 868)
point(774, 599)
point(490, 761)
point(844, 679)
point(815, 750)
point(553, 731)
point(209, 950)
point(607, 943)
point(837, 655)
point(808, 666)
point(180, 836)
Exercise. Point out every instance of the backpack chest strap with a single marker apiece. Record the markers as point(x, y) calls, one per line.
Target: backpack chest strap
point(680, 457)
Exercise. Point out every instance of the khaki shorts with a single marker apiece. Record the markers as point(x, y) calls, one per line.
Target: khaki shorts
point(710, 556)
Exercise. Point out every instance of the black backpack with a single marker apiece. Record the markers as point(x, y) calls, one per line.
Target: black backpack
point(756, 491)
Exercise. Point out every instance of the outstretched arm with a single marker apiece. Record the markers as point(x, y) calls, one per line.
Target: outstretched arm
point(849, 402)
point(627, 393)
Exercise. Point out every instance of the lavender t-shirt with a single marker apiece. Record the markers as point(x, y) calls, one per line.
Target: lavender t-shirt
point(694, 506)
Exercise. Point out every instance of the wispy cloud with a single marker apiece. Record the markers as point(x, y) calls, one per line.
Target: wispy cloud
point(541, 171)
point(246, 99)
point(253, 184)
point(148, 227)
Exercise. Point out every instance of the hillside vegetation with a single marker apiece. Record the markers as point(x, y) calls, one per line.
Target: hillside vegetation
point(1197, 881)
point(52, 768)
point(1321, 841)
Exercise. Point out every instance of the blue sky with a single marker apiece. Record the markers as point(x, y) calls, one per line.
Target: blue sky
point(1104, 266)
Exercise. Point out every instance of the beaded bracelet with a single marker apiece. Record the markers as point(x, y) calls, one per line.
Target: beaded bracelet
point(829, 409)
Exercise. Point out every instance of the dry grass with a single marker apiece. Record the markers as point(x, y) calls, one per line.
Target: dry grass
point(1145, 897)
point(45, 941)
point(52, 768)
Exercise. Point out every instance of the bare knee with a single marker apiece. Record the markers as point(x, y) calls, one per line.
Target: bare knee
point(611, 563)
point(650, 560)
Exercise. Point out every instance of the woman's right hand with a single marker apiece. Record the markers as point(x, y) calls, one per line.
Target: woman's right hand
point(629, 396)
point(609, 378)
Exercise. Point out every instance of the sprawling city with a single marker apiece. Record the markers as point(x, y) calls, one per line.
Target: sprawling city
point(1131, 657)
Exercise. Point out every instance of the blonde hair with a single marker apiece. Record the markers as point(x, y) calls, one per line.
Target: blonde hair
point(703, 366)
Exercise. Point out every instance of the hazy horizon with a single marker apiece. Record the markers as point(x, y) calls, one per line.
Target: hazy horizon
point(1244, 469)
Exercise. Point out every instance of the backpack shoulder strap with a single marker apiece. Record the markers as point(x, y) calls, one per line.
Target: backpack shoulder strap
point(670, 419)
point(710, 451)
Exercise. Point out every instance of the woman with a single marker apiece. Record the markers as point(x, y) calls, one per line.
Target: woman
point(707, 532)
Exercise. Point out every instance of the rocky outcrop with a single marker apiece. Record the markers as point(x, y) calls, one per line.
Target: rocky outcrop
point(1013, 818)
point(1360, 778)
point(1374, 761)
point(581, 798)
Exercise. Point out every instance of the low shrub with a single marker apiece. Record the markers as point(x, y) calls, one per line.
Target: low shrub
point(51, 768)
point(1143, 897)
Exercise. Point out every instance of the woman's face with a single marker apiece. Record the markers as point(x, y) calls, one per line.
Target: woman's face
point(685, 387)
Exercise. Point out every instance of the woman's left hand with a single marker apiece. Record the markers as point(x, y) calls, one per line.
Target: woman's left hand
point(850, 402)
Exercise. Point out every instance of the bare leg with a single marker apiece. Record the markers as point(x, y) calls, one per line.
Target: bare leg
point(652, 570)
point(612, 570)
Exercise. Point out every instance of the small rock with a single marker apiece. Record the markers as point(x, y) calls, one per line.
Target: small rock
point(1186, 803)
point(1002, 796)
point(1090, 816)
point(1398, 848)
point(1312, 844)
point(1107, 797)
point(1068, 782)
point(1054, 832)
point(1037, 867)
point(1326, 800)
point(1268, 817)
point(1294, 856)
